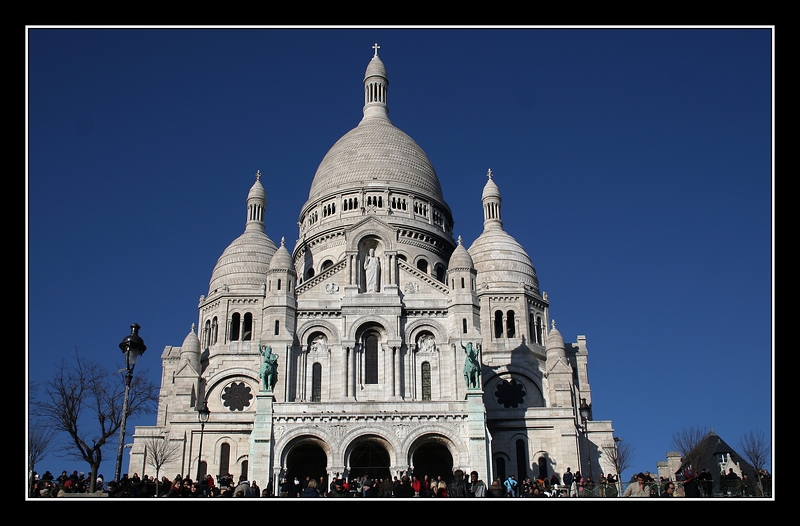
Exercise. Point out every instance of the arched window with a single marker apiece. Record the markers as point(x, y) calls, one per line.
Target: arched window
point(531, 329)
point(247, 328)
point(214, 330)
point(316, 382)
point(511, 323)
point(279, 284)
point(498, 324)
point(224, 459)
point(235, 326)
point(245, 465)
point(426, 381)
point(207, 334)
point(462, 283)
point(464, 325)
point(277, 327)
point(539, 337)
point(326, 265)
point(522, 460)
point(543, 467)
point(500, 467)
point(440, 273)
point(371, 359)
point(422, 265)
point(309, 275)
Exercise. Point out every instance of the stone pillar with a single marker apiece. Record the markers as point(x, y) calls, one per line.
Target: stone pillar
point(479, 440)
point(260, 465)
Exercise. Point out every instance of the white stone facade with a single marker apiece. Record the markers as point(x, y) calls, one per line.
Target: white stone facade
point(373, 381)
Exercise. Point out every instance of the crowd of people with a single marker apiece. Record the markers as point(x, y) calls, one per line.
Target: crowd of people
point(405, 486)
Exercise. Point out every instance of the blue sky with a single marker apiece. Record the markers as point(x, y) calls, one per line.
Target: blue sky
point(635, 166)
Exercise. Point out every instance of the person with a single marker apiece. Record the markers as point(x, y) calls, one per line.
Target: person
point(669, 490)
point(255, 491)
point(706, 481)
point(243, 489)
point(457, 489)
point(690, 487)
point(638, 488)
point(476, 486)
point(416, 485)
point(568, 479)
point(404, 490)
point(510, 485)
point(338, 491)
point(310, 491)
point(372, 265)
point(497, 490)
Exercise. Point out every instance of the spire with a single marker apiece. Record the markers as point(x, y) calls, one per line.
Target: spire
point(491, 204)
point(256, 203)
point(376, 84)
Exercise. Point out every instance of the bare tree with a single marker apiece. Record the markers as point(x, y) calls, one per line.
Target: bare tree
point(159, 450)
point(39, 439)
point(85, 401)
point(756, 449)
point(690, 444)
point(620, 454)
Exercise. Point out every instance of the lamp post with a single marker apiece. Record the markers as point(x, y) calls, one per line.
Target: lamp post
point(585, 411)
point(202, 416)
point(133, 346)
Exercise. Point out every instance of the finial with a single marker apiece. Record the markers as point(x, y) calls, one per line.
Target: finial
point(554, 324)
point(258, 175)
point(192, 327)
point(489, 173)
point(376, 47)
point(459, 240)
point(283, 241)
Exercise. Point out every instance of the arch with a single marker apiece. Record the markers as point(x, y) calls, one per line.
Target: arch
point(309, 275)
point(365, 323)
point(369, 453)
point(498, 324)
point(464, 325)
point(277, 327)
point(371, 342)
point(415, 328)
point(440, 272)
point(432, 453)
point(247, 327)
point(235, 326)
point(426, 381)
point(422, 265)
point(316, 382)
point(207, 334)
point(224, 459)
point(307, 330)
point(307, 456)
point(511, 329)
point(214, 330)
point(328, 263)
point(521, 450)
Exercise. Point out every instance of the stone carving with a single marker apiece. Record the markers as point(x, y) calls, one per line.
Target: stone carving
point(427, 344)
point(320, 344)
point(372, 265)
point(269, 367)
point(472, 368)
point(411, 287)
point(331, 288)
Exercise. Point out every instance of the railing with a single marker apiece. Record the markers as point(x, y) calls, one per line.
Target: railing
point(707, 489)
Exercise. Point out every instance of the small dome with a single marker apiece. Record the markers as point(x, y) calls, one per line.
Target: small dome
point(190, 350)
point(257, 190)
point(490, 189)
point(554, 339)
point(501, 260)
point(460, 259)
point(281, 260)
point(375, 68)
point(243, 266)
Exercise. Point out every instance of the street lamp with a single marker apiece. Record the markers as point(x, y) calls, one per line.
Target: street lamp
point(585, 412)
point(202, 416)
point(133, 346)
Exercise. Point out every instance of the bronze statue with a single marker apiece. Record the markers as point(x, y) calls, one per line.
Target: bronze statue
point(269, 367)
point(472, 367)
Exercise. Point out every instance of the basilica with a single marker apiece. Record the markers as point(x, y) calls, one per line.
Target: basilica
point(379, 344)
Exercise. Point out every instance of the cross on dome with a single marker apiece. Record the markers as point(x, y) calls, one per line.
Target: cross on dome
point(376, 47)
point(258, 175)
point(554, 323)
point(489, 173)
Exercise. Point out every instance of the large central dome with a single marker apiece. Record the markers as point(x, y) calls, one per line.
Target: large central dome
point(375, 151)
